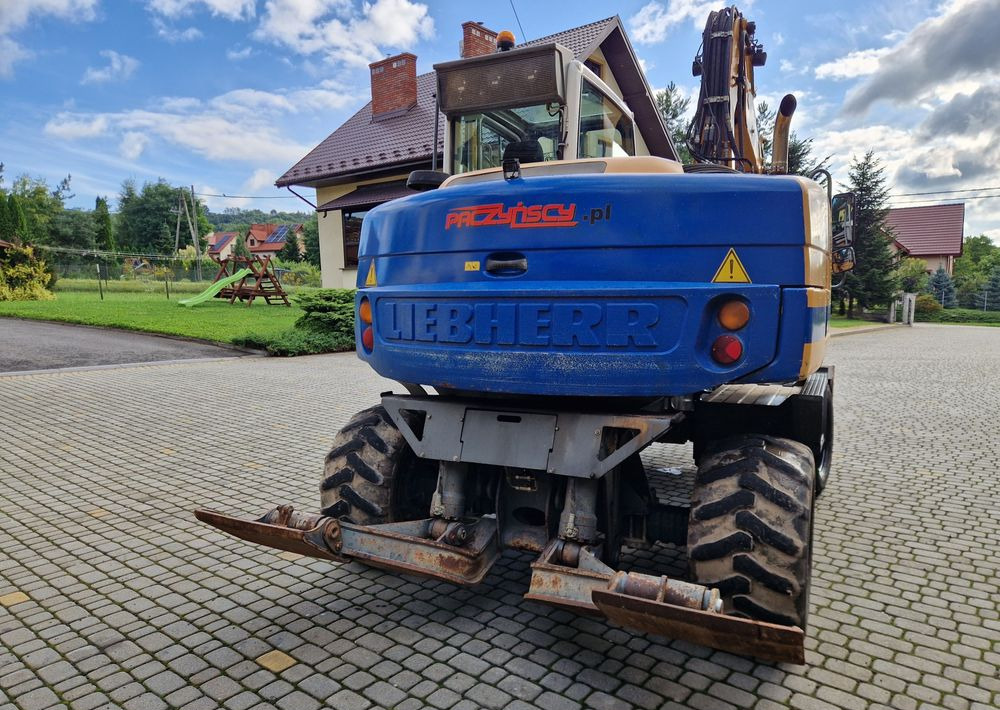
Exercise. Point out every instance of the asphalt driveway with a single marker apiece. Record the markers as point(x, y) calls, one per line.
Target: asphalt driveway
point(34, 345)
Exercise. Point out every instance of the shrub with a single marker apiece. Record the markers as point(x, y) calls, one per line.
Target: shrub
point(329, 310)
point(300, 274)
point(965, 315)
point(326, 326)
point(926, 305)
point(23, 276)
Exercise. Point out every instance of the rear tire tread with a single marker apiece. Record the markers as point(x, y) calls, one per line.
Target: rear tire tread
point(361, 467)
point(750, 525)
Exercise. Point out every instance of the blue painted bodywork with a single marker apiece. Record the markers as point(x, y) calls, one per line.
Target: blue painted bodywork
point(617, 298)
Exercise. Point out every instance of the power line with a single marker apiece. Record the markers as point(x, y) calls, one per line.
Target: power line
point(953, 200)
point(246, 197)
point(524, 37)
point(946, 192)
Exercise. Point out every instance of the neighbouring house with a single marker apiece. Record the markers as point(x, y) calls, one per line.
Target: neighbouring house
point(933, 233)
point(220, 244)
point(366, 161)
point(269, 239)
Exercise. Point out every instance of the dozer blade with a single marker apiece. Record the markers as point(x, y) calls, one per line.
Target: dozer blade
point(406, 547)
point(309, 535)
point(744, 637)
point(573, 577)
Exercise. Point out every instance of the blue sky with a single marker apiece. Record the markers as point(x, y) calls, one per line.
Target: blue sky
point(227, 94)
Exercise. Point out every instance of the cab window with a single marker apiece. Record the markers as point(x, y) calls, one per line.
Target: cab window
point(482, 140)
point(605, 131)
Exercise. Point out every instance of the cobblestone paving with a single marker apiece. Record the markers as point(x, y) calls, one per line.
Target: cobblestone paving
point(112, 596)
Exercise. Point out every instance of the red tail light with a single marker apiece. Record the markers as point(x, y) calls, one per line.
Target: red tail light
point(727, 349)
point(368, 338)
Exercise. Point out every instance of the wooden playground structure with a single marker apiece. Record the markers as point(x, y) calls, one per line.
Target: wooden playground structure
point(261, 282)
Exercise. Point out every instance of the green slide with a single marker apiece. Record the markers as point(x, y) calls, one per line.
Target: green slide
point(214, 289)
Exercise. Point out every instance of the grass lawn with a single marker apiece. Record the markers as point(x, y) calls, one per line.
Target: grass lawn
point(153, 313)
point(844, 322)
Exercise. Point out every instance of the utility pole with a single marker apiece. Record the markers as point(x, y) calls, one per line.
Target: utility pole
point(177, 233)
point(194, 233)
point(197, 237)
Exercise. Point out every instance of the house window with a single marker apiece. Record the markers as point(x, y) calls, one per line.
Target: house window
point(378, 70)
point(594, 67)
point(399, 63)
point(352, 235)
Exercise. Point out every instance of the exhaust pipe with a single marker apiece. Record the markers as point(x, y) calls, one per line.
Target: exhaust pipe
point(779, 145)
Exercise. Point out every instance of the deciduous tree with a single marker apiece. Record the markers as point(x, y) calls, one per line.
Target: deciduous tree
point(911, 274)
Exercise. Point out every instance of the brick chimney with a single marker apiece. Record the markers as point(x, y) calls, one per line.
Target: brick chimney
point(476, 40)
point(394, 85)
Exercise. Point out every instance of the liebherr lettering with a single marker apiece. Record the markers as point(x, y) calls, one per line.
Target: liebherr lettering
point(586, 325)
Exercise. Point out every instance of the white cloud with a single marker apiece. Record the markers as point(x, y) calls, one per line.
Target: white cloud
point(70, 127)
point(860, 63)
point(241, 125)
point(230, 9)
point(132, 145)
point(261, 179)
point(119, 67)
point(252, 100)
point(654, 20)
point(16, 14)
point(172, 34)
point(10, 53)
point(779, 39)
point(238, 54)
point(340, 32)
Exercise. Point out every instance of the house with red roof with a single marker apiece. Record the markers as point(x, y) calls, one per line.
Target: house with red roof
point(268, 239)
point(220, 244)
point(366, 161)
point(934, 233)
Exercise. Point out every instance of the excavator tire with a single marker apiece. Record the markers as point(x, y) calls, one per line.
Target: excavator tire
point(372, 475)
point(750, 526)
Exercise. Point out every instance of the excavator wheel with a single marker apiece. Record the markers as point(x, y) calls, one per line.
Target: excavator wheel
point(372, 475)
point(750, 526)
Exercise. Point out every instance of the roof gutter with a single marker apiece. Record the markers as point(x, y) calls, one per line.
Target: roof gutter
point(288, 187)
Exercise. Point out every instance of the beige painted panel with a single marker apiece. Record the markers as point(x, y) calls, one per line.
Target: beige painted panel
point(331, 234)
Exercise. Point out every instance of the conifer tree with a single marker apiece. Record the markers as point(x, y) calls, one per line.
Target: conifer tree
point(989, 298)
point(18, 222)
point(943, 288)
point(290, 252)
point(105, 232)
point(872, 282)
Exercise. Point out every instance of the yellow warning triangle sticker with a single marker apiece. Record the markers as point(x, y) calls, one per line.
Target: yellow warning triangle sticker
point(371, 280)
point(731, 270)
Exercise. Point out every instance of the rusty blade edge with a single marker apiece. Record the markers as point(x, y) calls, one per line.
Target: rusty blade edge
point(276, 536)
point(771, 642)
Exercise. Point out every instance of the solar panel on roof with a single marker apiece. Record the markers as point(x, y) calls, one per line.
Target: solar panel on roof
point(278, 235)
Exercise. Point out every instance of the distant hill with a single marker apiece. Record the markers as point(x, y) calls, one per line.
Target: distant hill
point(233, 219)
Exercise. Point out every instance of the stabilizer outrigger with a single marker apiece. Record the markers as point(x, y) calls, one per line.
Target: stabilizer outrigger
point(566, 574)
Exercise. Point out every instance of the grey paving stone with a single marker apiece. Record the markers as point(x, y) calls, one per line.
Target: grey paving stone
point(903, 599)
